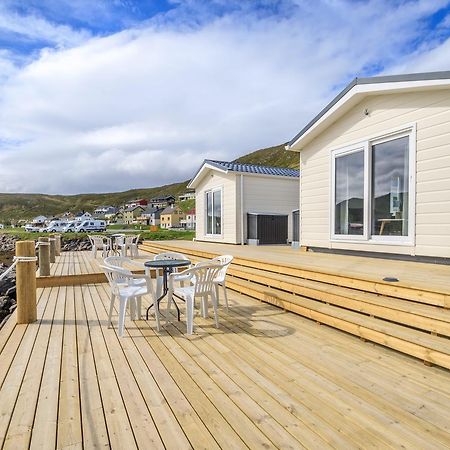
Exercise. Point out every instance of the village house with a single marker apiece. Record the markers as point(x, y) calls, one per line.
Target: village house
point(186, 196)
point(103, 211)
point(131, 214)
point(150, 216)
point(244, 203)
point(189, 221)
point(171, 217)
point(138, 202)
point(162, 202)
point(375, 166)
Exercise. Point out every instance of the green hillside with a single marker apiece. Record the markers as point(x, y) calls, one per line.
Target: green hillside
point(272, 156)
point(27, 206)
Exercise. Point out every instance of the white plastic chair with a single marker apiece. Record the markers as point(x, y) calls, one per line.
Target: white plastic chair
point(201, 285)
point(100, 243)
point(165, 256)
point(134, 250)
point(220, 280)
point(129, 289)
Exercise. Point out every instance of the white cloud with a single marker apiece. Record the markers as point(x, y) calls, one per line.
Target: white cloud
point(145, 106)
point(35, 28)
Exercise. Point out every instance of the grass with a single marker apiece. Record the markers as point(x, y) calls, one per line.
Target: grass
point(160, 235)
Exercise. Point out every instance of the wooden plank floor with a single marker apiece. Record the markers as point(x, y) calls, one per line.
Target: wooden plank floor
point(264, 379)
point(410, 274)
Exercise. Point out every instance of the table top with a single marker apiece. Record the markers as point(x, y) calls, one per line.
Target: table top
point(163, 263)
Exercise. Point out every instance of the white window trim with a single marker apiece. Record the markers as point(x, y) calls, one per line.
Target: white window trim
point(365, 145)
point(212, 190)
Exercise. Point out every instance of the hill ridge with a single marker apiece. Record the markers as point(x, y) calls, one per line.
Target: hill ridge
point(14, 206)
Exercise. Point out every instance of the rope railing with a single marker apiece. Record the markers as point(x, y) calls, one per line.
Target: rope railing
point(17, 259)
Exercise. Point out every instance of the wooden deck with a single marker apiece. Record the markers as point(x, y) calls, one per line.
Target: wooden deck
point(265, 379)
point(413, 274)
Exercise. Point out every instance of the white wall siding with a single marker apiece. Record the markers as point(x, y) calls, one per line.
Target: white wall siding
point(227, 182)
point(430, 111)
point(270, 195)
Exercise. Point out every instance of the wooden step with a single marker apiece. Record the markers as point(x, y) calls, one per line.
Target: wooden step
point(381, 319)
point(425, 317)
point(377, 287)
point(432, 349)
point(374, 286)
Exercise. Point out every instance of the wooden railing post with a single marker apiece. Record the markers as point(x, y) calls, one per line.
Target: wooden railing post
point(26, 283)
point(58, 244)
point(44, 257)
point(52, 241)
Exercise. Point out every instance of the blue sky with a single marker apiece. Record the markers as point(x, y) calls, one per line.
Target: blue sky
point(125, 93)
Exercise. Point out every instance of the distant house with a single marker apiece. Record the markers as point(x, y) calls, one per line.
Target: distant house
point(103, 211)
point(162, 202)
point(131, 214)
point(39, 220)
point(231, 196)
point(150, 216)
point(171, 217)
point(117, 218)
point(137, 202)
point(189, 221)
point(83, 215)
point(186, 196)
point(375, 165)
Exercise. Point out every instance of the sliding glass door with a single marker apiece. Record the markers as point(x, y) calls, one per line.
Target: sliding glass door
point(372, 191)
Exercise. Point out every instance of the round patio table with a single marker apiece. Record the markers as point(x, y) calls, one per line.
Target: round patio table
point(167, 266)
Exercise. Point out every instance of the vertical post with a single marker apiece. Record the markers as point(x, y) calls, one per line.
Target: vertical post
point(26, 283)
point(58, 244)
point(44, 257)
point(52, 241)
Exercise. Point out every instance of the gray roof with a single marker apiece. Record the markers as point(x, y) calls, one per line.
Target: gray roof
point(371, 80)
point(252, 168)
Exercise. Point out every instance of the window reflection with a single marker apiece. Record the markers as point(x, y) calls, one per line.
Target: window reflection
point(349, 194)
point(390, 188)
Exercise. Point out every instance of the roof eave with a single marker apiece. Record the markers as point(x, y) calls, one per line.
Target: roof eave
point(207, 165)
point(361, 87)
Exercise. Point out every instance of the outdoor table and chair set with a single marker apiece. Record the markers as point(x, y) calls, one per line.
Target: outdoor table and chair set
point(176, 278)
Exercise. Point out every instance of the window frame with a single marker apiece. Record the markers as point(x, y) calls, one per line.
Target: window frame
point(211, 191)
point(366, 145)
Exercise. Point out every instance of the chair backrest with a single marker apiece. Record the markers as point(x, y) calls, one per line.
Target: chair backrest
point(203, 276)
point(170, 255)
point(129, 240)
point(136, 238)
point(116, 276)
point(97, 241)
point(116, 261)
point(224, 261)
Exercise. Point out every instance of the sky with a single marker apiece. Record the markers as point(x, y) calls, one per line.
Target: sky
point(109, 95)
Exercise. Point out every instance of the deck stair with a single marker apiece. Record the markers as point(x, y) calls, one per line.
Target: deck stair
point(404, 318)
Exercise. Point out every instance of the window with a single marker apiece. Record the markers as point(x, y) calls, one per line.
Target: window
point(390, 188)
point(372, 197)
point(349, 193)
point(214, 211)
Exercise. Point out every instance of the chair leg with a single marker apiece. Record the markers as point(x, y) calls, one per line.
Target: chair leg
point(159, 283)
point(111, 307)
point(204, 306)
point(224, 294)
point(122, 311)
point(215, 308)
point(139, 308)
point(156, 306)
point(169, 304)
point(133, 308)
point(190, 314)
